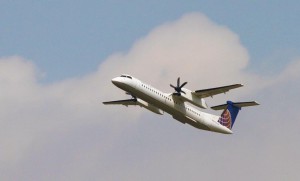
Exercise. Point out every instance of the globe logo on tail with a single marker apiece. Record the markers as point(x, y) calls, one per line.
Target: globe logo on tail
point(225, 119)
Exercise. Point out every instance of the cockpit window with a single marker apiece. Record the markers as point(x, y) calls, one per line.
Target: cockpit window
point(126, 76)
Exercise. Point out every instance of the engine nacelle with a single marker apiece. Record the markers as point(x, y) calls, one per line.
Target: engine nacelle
point(193, 99)
point(150, 107)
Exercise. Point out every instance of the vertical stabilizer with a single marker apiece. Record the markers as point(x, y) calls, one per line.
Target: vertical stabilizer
point(229, 114)
point(231, 110)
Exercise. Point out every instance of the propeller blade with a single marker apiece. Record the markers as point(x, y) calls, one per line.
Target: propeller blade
point(183, 84)
point(178, 87)
point(172, 86)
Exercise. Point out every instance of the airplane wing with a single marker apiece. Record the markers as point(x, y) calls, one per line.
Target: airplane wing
point(126, 102)
point(214, 91)
point(135, 102)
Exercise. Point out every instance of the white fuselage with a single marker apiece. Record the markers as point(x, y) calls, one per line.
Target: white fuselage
point(170, 104)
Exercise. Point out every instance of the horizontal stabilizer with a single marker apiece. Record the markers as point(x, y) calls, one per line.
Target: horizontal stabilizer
point(236, 104)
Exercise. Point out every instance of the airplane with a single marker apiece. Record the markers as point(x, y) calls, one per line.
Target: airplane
point(176, 104)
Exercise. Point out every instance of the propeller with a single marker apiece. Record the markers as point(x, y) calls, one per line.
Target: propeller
point(178, 87)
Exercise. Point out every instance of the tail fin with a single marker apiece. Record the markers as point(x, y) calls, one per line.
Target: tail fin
point(231, 110)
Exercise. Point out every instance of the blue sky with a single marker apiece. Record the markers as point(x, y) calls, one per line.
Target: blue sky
point(54, 127)
point(71, 38)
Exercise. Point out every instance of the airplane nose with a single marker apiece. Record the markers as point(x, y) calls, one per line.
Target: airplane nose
point(116, 81)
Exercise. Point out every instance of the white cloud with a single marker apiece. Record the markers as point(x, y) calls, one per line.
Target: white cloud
point(62, 131)
point(192, 47)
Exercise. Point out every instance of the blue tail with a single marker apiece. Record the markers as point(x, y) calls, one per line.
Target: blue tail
point(229, 115)
point(231, 110)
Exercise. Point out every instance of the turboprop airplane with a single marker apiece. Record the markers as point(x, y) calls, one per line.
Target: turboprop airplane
point(176, 105)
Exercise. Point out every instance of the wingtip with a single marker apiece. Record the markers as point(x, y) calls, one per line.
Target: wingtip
point(256, 103)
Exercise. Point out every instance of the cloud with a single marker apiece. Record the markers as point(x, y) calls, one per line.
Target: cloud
point(192, 47)
point(61, 131)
